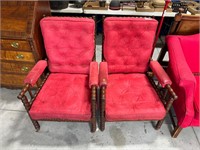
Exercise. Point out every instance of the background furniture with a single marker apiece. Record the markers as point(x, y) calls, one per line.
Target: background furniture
point(128, 91)
point(21, 39)
point(184, 72)
point(183, 25)
point(68, 92)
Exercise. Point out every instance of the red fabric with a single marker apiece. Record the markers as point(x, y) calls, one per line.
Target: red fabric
point(93, 74)
point(69, 43)
point(103, 73)
point(195, 122)
point(128, 43)
point(132, 97)
point(183, 81)
point(159, 72)
point(190, 48)
point(35, 72)
point(63, 96)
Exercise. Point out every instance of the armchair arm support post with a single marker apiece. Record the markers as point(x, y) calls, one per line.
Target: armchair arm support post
point(165, 82)
point(93, 101)
point(93, 83)
point(23, 91)
point(26, 103)
point(102, 107)
point(168, 104)
point(103, 78)
point(173, 97)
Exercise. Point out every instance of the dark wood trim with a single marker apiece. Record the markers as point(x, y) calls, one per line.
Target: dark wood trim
point(167, 97)
point(93, 106)
point(176, 131)
point(102, 107)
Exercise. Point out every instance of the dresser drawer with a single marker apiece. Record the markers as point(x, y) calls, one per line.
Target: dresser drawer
point(13, 81)
point(17, 56)
point(15, 45)
point(13, 67)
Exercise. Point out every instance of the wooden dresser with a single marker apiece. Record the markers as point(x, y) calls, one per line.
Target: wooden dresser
point(21, 39)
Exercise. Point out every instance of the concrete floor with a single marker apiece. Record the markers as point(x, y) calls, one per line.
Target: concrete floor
point(17, 131)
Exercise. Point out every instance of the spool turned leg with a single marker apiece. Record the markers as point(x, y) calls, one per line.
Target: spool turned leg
point(176, 131)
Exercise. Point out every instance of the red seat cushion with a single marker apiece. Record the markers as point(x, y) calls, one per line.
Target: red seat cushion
point(132, 97)
point(63, 96)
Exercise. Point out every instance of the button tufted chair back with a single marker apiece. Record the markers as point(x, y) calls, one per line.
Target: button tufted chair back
point(128, 43)
point(69, 43)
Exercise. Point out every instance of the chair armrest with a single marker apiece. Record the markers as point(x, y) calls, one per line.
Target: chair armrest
point(93, 77)
point(160, 73)
point(35, 72)
point(103, 74)
point(178, 68)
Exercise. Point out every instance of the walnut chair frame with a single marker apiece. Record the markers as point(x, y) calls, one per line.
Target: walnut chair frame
point(41, 70)
point(155, 74)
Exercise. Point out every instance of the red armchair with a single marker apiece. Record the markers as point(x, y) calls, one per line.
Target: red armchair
point(68, 92)
point(184, 71)
point(127, 86)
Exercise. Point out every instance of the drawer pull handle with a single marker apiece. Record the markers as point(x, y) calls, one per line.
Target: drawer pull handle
point(15, 44)
point(25, 69)
point(20, 56)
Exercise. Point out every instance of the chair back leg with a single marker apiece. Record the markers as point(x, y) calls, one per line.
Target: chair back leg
point(159, 124)
point(36, 125)
point(93, 125)
point(176, 131)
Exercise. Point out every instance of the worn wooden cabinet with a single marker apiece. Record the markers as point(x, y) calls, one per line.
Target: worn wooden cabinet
point(21, 40)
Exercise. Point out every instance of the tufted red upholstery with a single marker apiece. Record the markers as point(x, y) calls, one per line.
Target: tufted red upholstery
point(132, 97)
point(69, 43)
point(68, 92)
point(63, 96)
point(183, 62)
point(128, 43)
point(128, 90)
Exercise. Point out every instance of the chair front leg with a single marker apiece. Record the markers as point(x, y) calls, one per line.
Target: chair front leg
point(93, 100)
point(27, 104)
point(102, 107)
point(173, 97)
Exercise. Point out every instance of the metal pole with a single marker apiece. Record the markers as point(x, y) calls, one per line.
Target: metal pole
point(160, 24)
